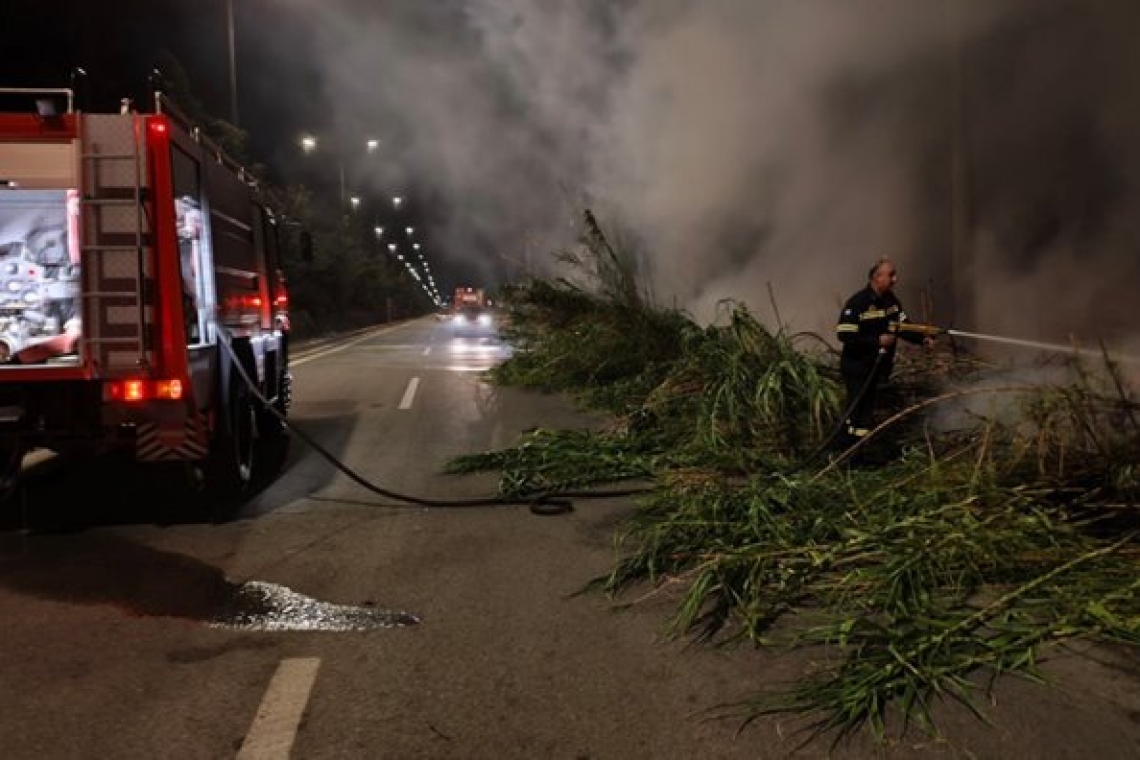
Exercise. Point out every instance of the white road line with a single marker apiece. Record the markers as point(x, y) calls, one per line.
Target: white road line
point(274, 727)
point(297, 361)
point(410, 393)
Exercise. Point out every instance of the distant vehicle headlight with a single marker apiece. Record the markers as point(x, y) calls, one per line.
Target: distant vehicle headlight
point(484, 319)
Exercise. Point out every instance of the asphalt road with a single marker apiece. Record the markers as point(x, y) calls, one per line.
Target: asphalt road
point(329, 621)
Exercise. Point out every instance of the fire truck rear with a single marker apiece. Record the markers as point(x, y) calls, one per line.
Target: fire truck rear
point(142, 304)
point(468, 296)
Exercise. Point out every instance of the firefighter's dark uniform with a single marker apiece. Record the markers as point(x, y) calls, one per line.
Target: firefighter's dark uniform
point(863, 365)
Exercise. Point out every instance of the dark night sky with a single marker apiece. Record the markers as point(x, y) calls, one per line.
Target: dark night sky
point(118, 42)
point(115, 42)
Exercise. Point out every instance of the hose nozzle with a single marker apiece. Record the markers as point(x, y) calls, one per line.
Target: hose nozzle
point(917, 329)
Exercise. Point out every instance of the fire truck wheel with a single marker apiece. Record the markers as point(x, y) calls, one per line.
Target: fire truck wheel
point(270, 422)
point(231, 459)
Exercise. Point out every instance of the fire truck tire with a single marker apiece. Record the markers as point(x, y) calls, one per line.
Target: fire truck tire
point(271, 423)
point(231, 464)
point(273, 433)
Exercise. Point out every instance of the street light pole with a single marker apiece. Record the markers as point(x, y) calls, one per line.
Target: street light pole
point(233, 62)
point(308, 145)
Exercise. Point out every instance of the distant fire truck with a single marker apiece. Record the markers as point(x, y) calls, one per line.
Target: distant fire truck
point(470, 306)
point(142, 304)
point(468, 296)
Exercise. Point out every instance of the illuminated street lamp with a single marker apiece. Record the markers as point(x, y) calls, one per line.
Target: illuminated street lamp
point(310, 143)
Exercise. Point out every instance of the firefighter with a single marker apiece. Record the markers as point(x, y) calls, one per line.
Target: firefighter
point(868, 329)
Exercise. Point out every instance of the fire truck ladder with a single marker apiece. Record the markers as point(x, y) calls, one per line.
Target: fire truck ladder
point(116, 234)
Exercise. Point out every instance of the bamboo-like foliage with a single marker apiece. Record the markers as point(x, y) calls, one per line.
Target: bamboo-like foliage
point(920, 580)
point(568, 340)
point(747, 392)
point(549, 461)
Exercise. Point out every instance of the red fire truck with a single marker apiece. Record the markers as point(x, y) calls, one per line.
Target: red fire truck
point(142, 304)
point(468, 296)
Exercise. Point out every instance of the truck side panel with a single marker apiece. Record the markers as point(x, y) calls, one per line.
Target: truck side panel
point(239, 256)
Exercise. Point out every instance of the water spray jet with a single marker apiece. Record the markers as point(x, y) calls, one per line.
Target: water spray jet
point(933, 330)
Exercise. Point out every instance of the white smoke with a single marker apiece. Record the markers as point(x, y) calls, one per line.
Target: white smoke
point(757, 146)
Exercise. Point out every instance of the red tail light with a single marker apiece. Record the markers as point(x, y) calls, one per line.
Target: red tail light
point(144, 390)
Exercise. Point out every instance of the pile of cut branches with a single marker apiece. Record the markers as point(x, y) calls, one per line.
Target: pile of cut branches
point(962, 557)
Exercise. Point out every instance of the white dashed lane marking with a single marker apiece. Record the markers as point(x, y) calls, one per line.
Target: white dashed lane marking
point(274, 727)
point(410, 393)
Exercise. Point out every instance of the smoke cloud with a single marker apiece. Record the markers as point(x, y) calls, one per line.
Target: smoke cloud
point(760, 150)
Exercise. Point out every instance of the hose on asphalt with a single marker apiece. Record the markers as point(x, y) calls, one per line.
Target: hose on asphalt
point(552, 503)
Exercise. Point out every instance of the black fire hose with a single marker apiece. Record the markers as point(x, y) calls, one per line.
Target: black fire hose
point(872, 377)
point(556, 503)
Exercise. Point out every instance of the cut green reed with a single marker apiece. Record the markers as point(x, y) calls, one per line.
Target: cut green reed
point(962, 557)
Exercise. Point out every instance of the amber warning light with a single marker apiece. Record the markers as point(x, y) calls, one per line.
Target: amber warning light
point(145, 390)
